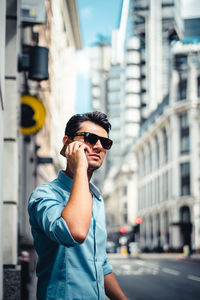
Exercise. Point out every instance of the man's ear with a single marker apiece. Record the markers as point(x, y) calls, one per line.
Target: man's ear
point(65, 138)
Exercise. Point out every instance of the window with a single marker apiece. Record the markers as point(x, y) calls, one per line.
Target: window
point(182, 89)
point(151, 194)
point(184, 133)
point(125, 217)
point(157, 152)
point(198, 86)
point(124, 191)
point(142, 160)
point(145, 198)
point(158, 191)
point(185, 178)
point(181, 62)
point(113, 84)
point(165, 145)
point(145, 163)
point(113, 97)
point(150, 158)
point(165, 186)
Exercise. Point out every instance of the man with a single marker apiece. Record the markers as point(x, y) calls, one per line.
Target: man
point(68, 220)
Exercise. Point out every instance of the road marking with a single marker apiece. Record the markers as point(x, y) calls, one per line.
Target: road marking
point(195, 278)
point(170, 271)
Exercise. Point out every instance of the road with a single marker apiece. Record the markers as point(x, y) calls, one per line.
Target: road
point(157, 277)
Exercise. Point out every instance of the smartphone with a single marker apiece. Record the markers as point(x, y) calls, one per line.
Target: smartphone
point(62, 151)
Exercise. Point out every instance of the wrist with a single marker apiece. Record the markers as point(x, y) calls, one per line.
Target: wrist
point(81, 170)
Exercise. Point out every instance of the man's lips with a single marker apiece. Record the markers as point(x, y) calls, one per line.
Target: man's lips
point(94, 155)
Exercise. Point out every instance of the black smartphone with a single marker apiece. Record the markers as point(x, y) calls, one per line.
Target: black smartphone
point(62, 151)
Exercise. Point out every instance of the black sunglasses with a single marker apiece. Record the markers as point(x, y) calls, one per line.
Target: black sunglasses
point(91, 138)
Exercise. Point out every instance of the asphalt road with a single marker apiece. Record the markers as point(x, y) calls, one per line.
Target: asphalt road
point(156, 277)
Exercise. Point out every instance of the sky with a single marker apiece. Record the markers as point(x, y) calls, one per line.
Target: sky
point(100, 17)
point(96, 17)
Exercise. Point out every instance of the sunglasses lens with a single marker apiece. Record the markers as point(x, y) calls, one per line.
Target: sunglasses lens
point(91, 138)
point(106, 143)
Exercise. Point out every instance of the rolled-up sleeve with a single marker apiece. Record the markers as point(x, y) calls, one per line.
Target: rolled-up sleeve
point(107, 268)
point(45, 208)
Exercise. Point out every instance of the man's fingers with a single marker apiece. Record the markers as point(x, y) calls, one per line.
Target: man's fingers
point(73, 147)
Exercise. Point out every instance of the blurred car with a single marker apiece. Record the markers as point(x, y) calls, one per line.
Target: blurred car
point(111, 247)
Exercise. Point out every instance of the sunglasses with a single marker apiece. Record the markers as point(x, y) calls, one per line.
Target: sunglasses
point(91, 138)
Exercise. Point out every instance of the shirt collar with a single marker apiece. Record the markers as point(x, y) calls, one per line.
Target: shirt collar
point(68, 181)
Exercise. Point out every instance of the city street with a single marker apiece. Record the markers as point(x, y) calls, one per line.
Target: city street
point(157, 276)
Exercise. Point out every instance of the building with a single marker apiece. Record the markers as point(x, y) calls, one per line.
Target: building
point(167, 193)
point(168, 156)
point(37, 84)
point(100, 60)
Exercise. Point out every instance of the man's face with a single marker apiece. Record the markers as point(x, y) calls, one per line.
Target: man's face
point(96, 153)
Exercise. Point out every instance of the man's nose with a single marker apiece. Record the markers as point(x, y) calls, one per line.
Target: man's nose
point(98, 144)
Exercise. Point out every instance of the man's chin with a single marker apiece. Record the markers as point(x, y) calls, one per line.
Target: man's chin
point(93, 167)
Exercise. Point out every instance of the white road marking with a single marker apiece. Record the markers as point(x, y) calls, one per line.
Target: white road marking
point(139, 269)
point(171, 271)
point(142, 267)
point(195, 278)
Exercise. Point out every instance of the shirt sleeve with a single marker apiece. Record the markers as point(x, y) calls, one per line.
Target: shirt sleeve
point(107, 268)
point(45, 208)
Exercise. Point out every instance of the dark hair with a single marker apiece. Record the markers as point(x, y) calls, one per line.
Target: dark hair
point(74, 123)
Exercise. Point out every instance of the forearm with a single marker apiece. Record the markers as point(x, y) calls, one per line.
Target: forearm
point(112, 288)
point(78, 211)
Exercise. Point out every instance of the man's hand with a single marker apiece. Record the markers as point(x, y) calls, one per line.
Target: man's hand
point(75, 154)
point(112, 288)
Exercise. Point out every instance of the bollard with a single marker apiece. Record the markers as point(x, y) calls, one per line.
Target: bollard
point(186, 250)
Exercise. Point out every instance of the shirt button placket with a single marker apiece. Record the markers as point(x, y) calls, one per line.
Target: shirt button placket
point(95, 258)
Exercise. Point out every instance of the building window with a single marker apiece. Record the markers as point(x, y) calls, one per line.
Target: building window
point(184, 133)
point(150, 158)
point(157, 152)
point(185, 178)
point(198, 86)
point(182, 89)
point(181, 64)
point(124, 191)
point(165, 145)
point(143, 164)
point(151, 193)
point(165, 186)
point(125, 217)
point(156, 190)
point(139, 165)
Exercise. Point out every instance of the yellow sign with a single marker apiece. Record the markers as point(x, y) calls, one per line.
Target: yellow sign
point(33, 114)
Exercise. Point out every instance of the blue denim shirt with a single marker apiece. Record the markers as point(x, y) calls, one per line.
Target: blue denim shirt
point(67, 269)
